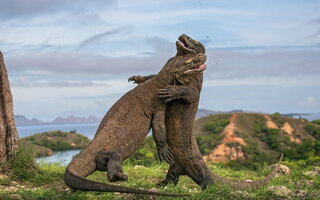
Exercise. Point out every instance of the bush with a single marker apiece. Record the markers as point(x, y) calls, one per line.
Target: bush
point(207, 143)
point(23, 166)
point(216, 126)
point(273, 138)
point(313, 130)
point(276, 114)
point(316, 121)
point(146, 154)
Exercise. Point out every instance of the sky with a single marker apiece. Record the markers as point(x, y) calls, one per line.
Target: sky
point(74, 57)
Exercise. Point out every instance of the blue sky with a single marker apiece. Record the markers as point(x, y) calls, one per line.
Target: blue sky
point(74, 57)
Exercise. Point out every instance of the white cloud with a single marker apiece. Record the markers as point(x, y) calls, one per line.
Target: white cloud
point(282, 81)
point(309, 101)
point(40, 40)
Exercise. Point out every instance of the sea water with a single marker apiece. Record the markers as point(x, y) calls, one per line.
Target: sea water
point(86, 129)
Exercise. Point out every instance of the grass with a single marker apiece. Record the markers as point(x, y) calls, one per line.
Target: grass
point(44, 144)
point(47, 183)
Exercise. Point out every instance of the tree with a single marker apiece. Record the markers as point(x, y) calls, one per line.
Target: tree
point(8, 130)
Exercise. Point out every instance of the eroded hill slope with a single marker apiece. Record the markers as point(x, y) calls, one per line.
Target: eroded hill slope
point(256, 137)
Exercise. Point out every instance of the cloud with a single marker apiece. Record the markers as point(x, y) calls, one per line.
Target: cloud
point(309, 101)
point(284, 81)
point(83, 63)
point(222, 64)
point(98, 37)
point(21, 8)
point(55, 83)
point(315, 22)
point(275, 62)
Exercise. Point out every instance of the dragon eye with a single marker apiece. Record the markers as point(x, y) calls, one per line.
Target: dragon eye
point(196, 43)
point(188, 62)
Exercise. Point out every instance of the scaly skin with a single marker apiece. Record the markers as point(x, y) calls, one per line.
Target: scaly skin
point(124, 128)
point(182, 105)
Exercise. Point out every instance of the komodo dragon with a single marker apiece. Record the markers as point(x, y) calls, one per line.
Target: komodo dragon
point(182, 105)
point(124, 128)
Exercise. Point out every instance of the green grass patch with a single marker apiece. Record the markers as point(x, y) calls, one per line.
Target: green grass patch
point(47, 183)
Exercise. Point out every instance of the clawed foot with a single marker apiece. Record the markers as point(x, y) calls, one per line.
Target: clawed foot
point(136, 79)
point(117, 177)
point(169, 93)
point(165, 154)
point(166, 182)
point(162, 183)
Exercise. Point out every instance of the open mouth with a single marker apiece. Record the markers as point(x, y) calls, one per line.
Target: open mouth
point(184, 44)
point(196, 69)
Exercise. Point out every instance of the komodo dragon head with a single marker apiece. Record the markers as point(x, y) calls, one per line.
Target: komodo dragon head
point(188, 66)
point(187, 45)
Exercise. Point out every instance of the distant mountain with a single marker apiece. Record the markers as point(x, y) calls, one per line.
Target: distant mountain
point(73, 119)
point(22, 120)
point(206, 112)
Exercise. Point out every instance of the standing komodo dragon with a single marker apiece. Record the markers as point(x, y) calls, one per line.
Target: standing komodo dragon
point(124, 128)
point(182, 105)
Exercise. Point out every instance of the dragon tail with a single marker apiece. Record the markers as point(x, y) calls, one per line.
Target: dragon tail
point(79, 183)
point(248, 185)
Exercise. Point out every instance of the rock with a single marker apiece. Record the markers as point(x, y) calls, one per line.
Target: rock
point(311, 173)
point(16, 197)
point(314, 172)
point(303, 183)
point(194, 190)
point(281, 191)
point(138, 166)
point(283, 170)
point(317, 169)
point(248, 180)
point(301, 194)
point(14, 183)
point(243, 194)
point(3, 176)
point(154, 189)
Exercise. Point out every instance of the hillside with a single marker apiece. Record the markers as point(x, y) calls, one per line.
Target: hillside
point(256, 137)
point(44, 144)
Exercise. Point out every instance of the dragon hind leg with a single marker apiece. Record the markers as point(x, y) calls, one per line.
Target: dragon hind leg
point(111, 162)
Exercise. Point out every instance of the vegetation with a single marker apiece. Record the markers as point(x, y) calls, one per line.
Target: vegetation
point(263, 146)
point(314, 130)
point(22, 166)
point(44, 143)
point(47, 183)
point(146, 154)
point(207, 143)
point(216, 126)
point(316, 121)
point(276, 114)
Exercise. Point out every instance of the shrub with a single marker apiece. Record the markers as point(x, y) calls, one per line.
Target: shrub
point(276, 114)
point(316, 121)
point(207, 143)
point(23, 166)
point(216, 126)
point(313, 130)
point(146, 154)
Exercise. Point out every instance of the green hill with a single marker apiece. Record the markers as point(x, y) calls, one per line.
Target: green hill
point(248, 137)
point(44, 144)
